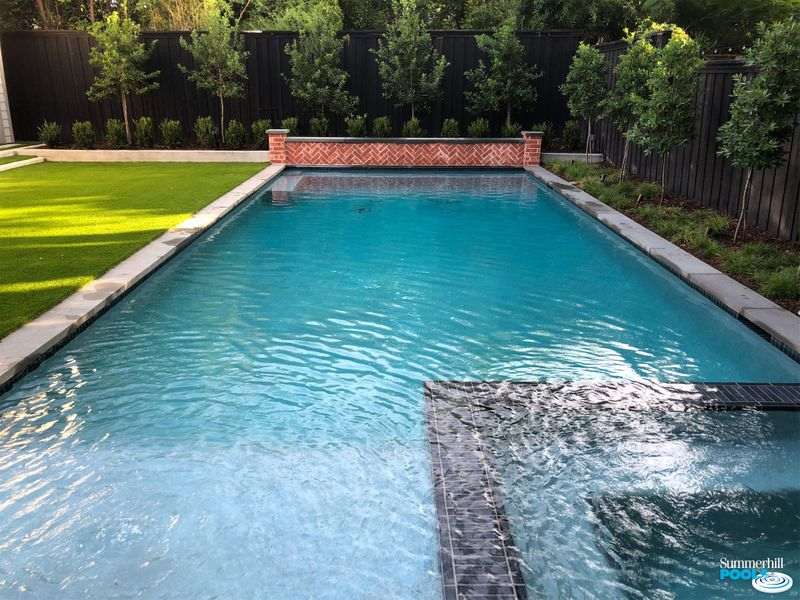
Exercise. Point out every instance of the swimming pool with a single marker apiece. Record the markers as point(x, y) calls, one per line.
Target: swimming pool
point(249, 421)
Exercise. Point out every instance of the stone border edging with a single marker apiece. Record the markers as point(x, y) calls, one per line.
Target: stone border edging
point(594, 158)
point(21, 163)
point(777, 324)
point(101, 155)
point(24, 348)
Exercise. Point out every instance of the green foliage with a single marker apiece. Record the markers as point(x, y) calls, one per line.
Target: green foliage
point(119, 59)
point(317, 81)
point(171, 133)
point(479, 128)
point(83, 134)
point(665, 117)
point(219, 56)
point(259, 131)
point(571, 135)
point(412, 128)
point(490, 14)
point(511, 130)
point(410, 68)
point(630, 85)
point(356, 125)
point(292, 124)
point(382, 127)
point(585, 87)
point(205, 131)
point(49, 133)
point(144, 132)
point(765, 104)
point(450, 128)
point(235, 135)
point(506, 80)
point(784, 284)
point(546, 127)
point(318, 126)
point(115, 133)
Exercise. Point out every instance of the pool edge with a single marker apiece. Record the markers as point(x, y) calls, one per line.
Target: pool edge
point(777, 325)
point(26, 347)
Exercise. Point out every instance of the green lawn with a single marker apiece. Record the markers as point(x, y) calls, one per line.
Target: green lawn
point(63, 224)
point(4, 160)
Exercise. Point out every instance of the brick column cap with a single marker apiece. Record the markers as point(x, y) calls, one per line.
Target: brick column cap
point(277, 131)
point(532, 133)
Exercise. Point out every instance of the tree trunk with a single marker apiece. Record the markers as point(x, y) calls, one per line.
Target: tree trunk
point(588, 139)
point(663, 177)
point(125, 118)
point(222, 119)
point(508, 116)
point(43, 14)
point(742, 221)
point(91, 11)
point(625, 151)
point(413, 112)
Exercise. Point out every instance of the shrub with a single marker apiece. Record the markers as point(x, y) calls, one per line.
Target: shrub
point(382, 127)
point(205, 131)
point(479, 128)
point(784, 284)
point(571, 135)
point(49, 133)
point(234, 135)
point(450, 128)
point(144, 132)
point(115, 134)
point(546, 127)
point(318, 126)
point(83, 134)
point(356, 125)
point(649, 191)
point(259, 130)
point(412, 128)
point(510, 130)
point(291, 124)
point(171, 133)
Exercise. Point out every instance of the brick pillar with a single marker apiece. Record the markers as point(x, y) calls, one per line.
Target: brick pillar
point(277, 145)
point(532, 153)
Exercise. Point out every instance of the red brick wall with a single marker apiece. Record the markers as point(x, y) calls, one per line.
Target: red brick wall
point(428, 153)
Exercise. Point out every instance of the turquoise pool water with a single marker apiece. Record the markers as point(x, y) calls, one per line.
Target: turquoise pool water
point(248, 422)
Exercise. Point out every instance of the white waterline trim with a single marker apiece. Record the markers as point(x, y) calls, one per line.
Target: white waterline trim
point(24, 348)
point(101, 155)
point(780, 326)
point(21, 163)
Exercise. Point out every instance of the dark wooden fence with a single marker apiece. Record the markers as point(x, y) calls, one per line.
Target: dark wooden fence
point(698, 173)
point(48, 73)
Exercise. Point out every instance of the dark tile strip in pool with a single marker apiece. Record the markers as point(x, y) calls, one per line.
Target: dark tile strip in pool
point(476, 549)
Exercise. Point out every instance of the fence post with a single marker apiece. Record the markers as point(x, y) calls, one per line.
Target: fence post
point(532, 150)
point(276, 139)
point(6, 128)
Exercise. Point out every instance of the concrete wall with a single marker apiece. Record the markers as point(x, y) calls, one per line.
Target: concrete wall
point(6, 131)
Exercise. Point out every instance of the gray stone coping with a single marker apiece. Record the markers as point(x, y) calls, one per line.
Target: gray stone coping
point(402, 140)
point(26, 347)
point(777, 324)
point(177, 155)
point(21, 163)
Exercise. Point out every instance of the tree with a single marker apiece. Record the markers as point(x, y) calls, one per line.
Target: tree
point(764, 107)
point(507, 80)
point(317, 80)
point(219, 57)
point(586, 87)
point(630, 87)
point(410, 68)
point(119, 58)
point(665, 115)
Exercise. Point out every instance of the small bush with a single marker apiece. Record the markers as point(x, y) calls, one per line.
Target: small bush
point(450, 128)
point(382, 127)
point(510, 131)
point(783, 284)
point(412, 128)
point(83, 134)
point(49, 133)
point(356, 125)
point(144, 132)
point(115, 134)
point(546, 127)
point(479, 128)
point(234, 135)
point(258, 129)
point(171, 133)
point(206, 132)
point(318, 126)
point(571, 135)
point(291, 124)
point(649, 191)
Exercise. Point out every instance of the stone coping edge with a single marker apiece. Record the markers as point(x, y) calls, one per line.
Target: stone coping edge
point(26, 347)
point(776, 324)
point(21, 163)
point(177, 155)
